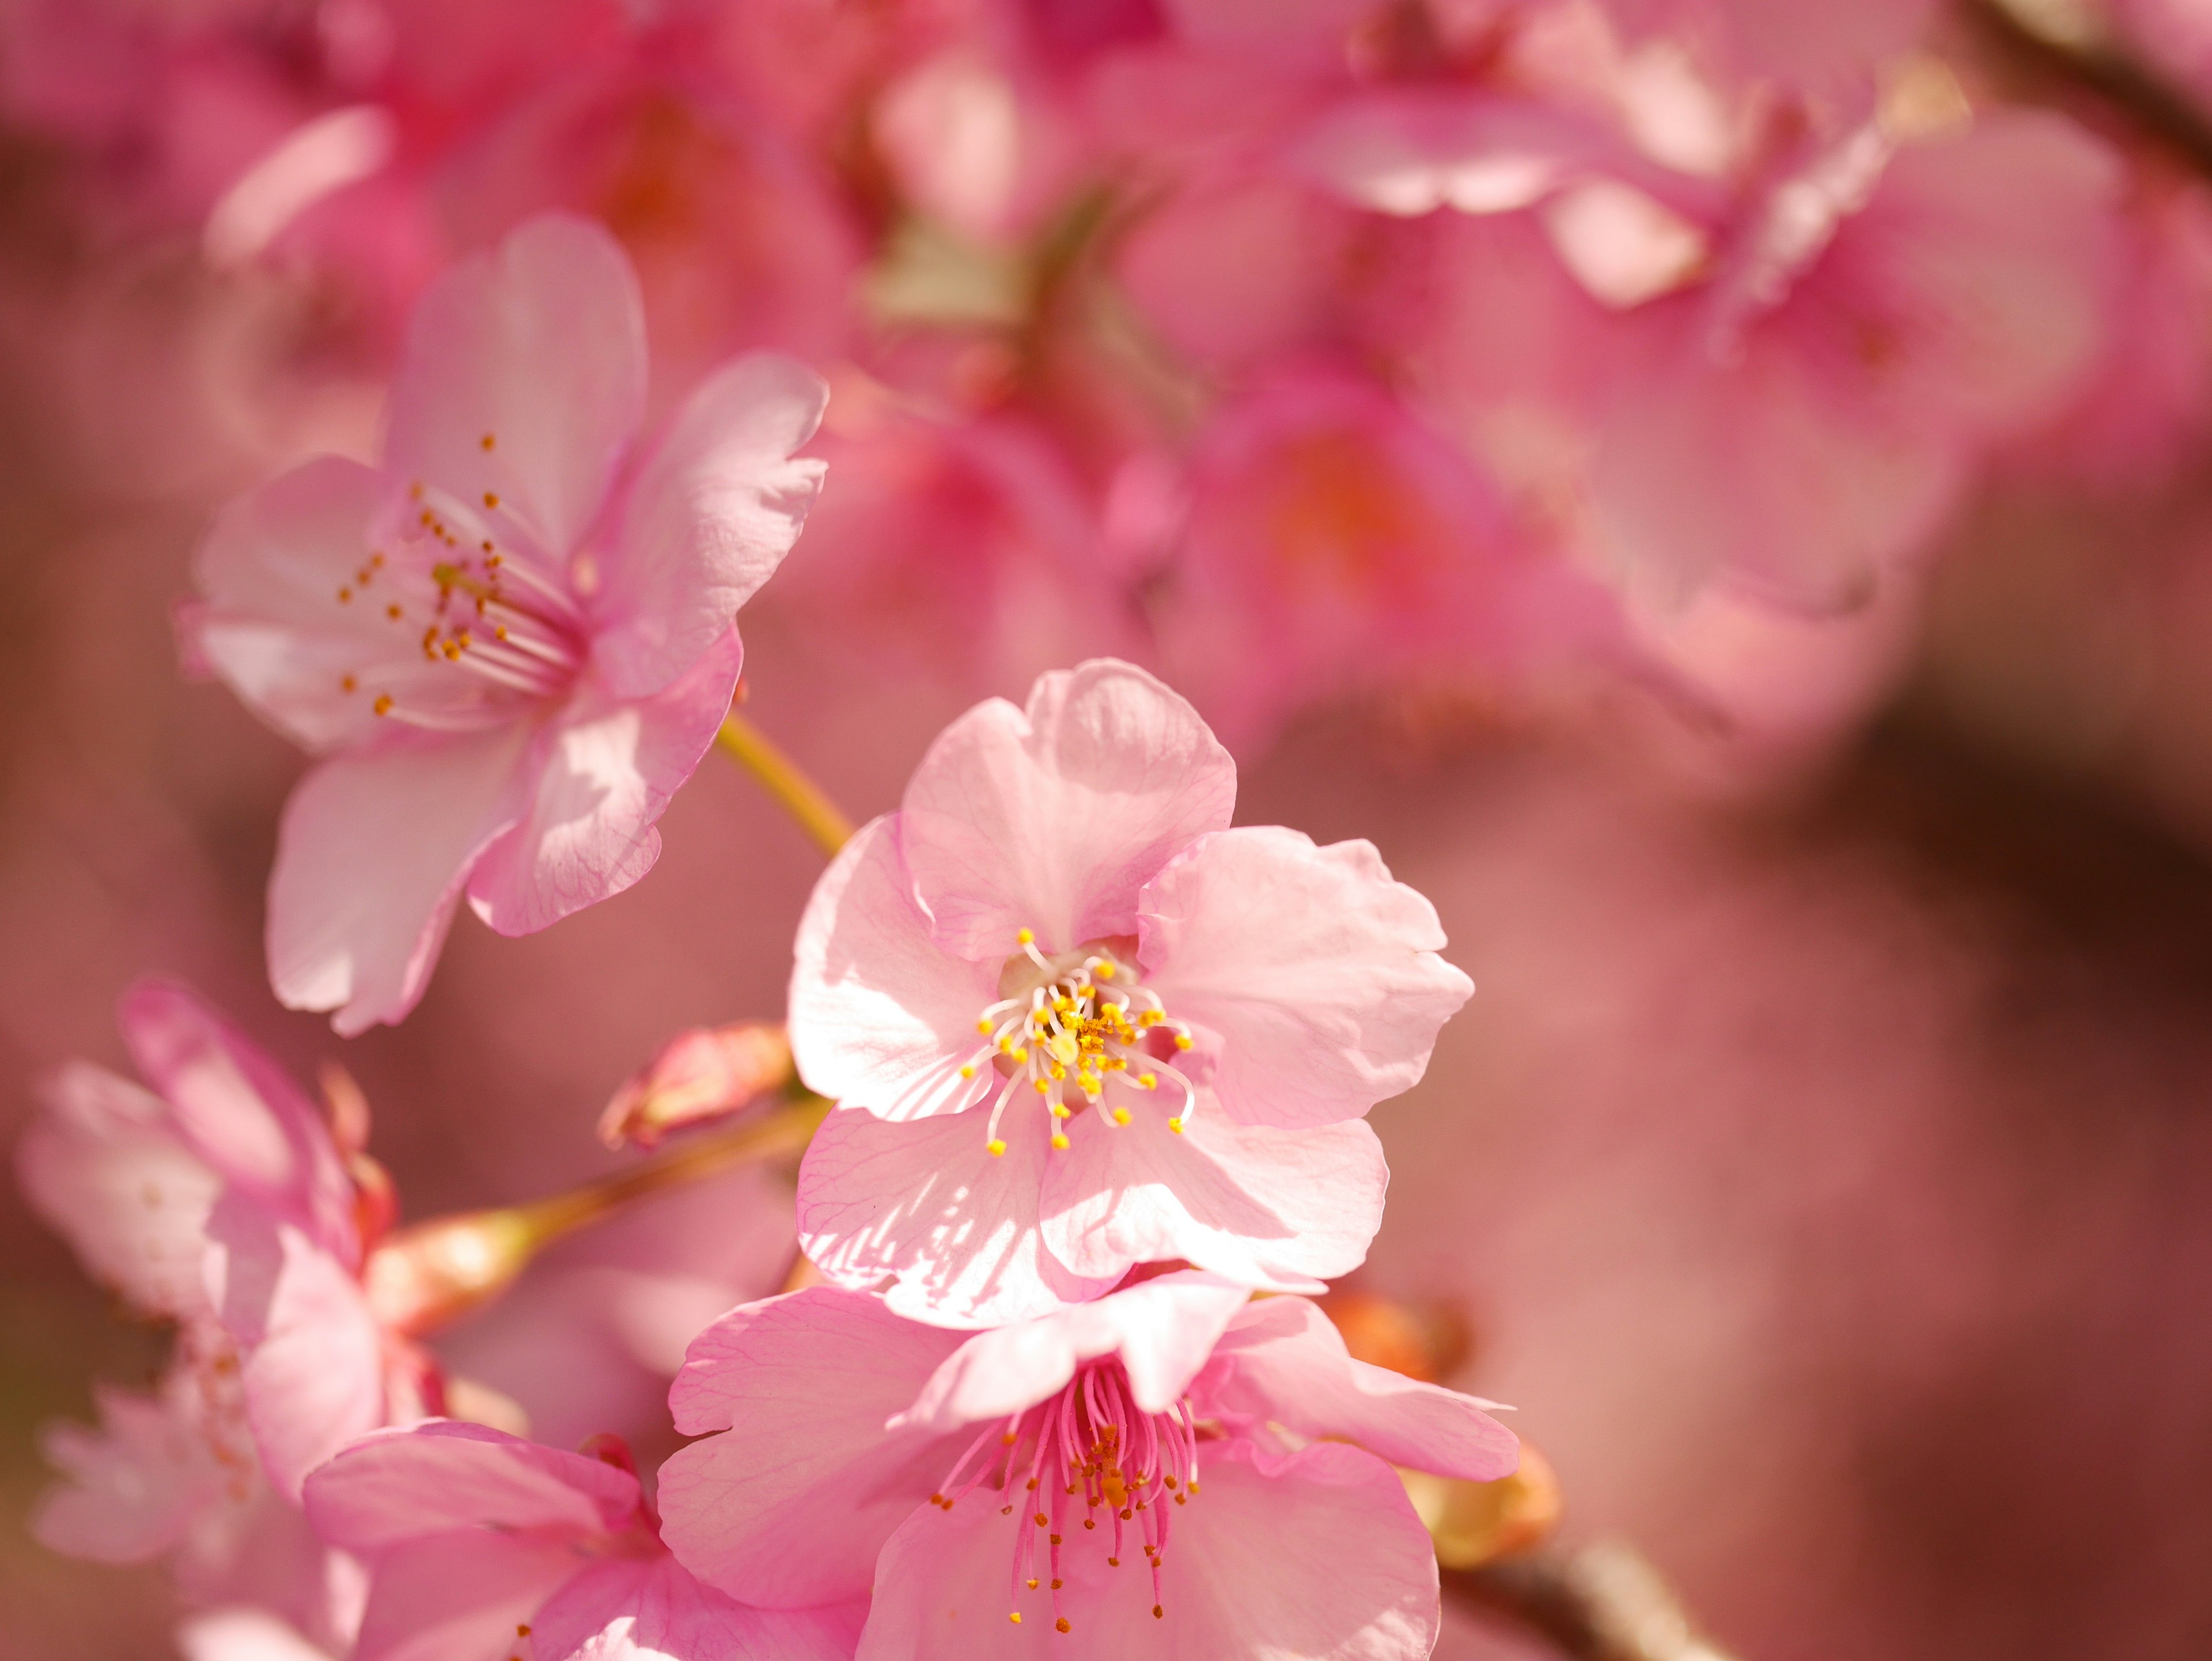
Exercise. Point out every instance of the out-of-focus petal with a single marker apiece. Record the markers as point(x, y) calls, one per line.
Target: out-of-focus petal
point(243, 1634)
point(445, 1477)
point(133, 1488)
point(444, 1596)
point(653, 1609)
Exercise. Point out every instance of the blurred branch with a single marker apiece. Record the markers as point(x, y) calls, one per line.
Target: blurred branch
point(1604, 1602)
point(2060, 45)
point(796, 794)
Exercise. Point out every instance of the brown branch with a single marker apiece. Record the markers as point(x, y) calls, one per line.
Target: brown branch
point(1604, 1602)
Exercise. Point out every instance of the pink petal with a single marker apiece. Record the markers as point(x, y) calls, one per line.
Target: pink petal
point(1321, 1558)
point(1282, 1362)
point(653, 1610)
point(101, 1167)
point(787, 1507)
point(371, 856)
point(605, 773)
point(538, 345)
point(432, 1480)
point(243, 1634)
point(880, 1017)
point(458, 1596)
point(272, 624)
point(1052, 818)
point(1162, 1329)
point(926, 1200)
point(313, 1370)
point(241, 1112)
point(136, 1488)
point(713, 513)
point(1316, 975)
point(1278, 1209)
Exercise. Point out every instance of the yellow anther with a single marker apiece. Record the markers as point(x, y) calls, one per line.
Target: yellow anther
point(1121, 1116)
point(995, 1148)
point(1105, 971)
point(344, 594)
point(1015, 1617)
point(1022, 937)
point(1182, 1041)
point(1032, 1583)
point(393, 611)
point(1043, 1086)
point(348, 684)
point(1060, 1140)
point(984, 1026)
point(383, 704)
point(488, 440)
point(1020, 1053)
point(1061, 1625)
point(967, 1072)
point(1175, 1124)
point(1060, 1110)
point(1150, 1018)
point(1148, 1080)
point(491, 498)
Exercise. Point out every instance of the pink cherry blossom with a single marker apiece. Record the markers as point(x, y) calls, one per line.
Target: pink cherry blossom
point(1173, 1469)
point(513, 641)
point(481, 1545)
point(1079, 1023)
point(222, 1204)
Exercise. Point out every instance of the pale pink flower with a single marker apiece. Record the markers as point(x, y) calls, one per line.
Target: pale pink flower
point(482, 1546)
point(221, 1203)
point(1079, 1023)
point(1171, 1470)
point(514, 640)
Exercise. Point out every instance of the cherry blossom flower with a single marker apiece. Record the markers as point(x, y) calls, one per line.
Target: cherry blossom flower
point(514, 640)
point(1078, 1023)
point(481, 1545)
point(222, 1204)
point(1171, 1469)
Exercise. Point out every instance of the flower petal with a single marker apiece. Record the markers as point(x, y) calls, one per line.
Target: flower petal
point(243, 1635)
point(313, 1370)
point(1316, 975)
point(241, 1112)
point(1282, 1362)
point(712, 515)
point(604, 774)
point(458, 1596)
point(104, 1169)
point(371, 856)
point(1162, 1329)
point(881, 1017)
point(1278, 1209)
point(1321, 1558)
point(786, 1508)
point(1052, 818)
point(134, 1488)
point(926, 1200)
point(538, 347)
point(443, 1478)
point(654, 1610)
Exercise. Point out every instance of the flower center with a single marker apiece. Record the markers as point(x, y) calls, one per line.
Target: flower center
point(469, 590)
point(1090, 1443)
point(1073, 1026)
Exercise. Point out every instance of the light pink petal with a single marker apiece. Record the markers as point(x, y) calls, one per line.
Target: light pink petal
point(928, 1202)
point(313, 1367)
point(101, 1167)
point(1320, 1559)
point(538, 345)
point(1282, 1362)
point(653, 1610)
point(712, 515)
point(881, 1017)
point(1052, 818)
point(371, 856)
point(243, 1634)
point(241, 1111)
point(134, 1488)
point(605, 773)
point(1163, 1331)
point(786, 1508)
point(458, 1596)
point(432, 1478)
point(271, 622)
point(1278, 1209)
point(1315, 976)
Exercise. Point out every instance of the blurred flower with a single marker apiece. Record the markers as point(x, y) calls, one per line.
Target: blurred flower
point(844, 1446)
point(516, 640)
point(1185, 1021)
point(479, 1543)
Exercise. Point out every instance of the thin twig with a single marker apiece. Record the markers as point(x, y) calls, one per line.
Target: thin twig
point(1604, 1602)
point(2095, 64)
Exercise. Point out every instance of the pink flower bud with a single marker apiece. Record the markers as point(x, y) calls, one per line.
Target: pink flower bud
point(699, 1075)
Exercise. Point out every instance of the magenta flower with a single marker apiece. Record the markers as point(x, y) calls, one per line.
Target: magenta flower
point(514, 640)
point(1173, 1470)
point(221, 1203)
point(481, 1546)
point(1079, 1023)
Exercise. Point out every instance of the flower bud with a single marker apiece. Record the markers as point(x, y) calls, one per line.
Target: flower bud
point(1424, 1342)
point(1473, 1522)
point(699, 1075)
point(429, 1275)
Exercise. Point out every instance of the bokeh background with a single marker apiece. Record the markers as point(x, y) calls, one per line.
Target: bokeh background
point(1824, 1164)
